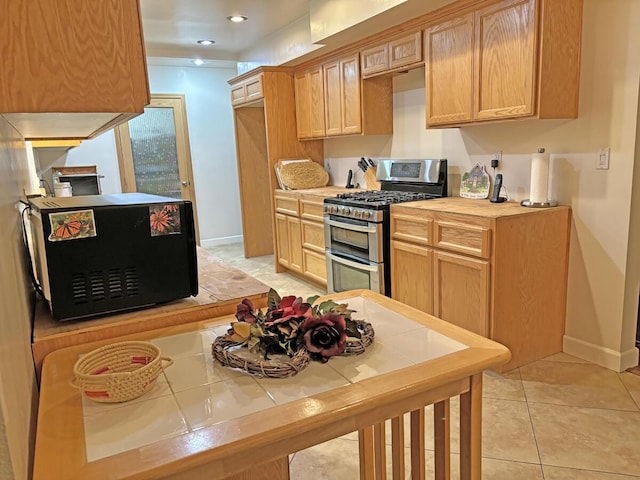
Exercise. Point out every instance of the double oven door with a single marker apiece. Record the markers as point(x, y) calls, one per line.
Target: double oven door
point(355, 254)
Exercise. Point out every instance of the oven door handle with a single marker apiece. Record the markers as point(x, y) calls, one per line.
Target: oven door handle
point(351, 263)
point(350, 226)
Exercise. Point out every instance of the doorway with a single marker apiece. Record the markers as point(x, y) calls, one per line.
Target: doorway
point(154, 154)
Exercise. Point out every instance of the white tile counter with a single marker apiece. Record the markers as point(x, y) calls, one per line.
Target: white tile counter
point(200, 411)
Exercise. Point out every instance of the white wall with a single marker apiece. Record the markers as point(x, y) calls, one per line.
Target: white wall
point(212, 143)
point(100, 151)
point(19, 392)
point(603, 291)
point(212, 140)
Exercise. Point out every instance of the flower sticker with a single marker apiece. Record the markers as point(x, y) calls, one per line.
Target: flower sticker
point(164, 219)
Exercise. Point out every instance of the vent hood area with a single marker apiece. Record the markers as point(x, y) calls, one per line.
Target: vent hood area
point(70, 127)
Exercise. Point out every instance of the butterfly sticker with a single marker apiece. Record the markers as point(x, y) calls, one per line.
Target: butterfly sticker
point(72, 225)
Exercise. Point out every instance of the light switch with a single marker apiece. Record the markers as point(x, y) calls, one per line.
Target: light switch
point(603, 159)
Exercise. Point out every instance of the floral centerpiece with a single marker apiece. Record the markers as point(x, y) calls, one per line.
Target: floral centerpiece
point(293, 329)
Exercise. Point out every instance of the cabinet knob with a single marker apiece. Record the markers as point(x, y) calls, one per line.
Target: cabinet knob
point(185, 183)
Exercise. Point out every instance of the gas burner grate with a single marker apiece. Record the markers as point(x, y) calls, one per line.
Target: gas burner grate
point(385, 197)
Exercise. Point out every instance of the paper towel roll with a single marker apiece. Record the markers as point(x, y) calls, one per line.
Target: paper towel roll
point(539, 177)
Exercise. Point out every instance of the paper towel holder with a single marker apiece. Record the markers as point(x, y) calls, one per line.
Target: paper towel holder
point(549, 203)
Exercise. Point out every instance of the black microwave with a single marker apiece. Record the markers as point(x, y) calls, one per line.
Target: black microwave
point(98, 254)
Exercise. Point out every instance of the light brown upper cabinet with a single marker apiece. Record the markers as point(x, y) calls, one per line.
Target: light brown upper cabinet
point(392, 55)
point(71, 68)
point(247, 91)
point(342, 96)
point(309, 93)
point(332, 99)
point(510, 59)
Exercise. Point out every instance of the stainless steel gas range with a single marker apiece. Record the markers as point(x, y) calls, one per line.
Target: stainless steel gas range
point(356, 225)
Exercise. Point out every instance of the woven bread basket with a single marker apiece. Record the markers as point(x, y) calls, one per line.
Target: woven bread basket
point(119, 372)
point(303, 175)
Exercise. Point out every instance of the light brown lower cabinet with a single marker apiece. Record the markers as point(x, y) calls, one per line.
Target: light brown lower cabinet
point(289, 245)
point(499, 270)
point(300, 234)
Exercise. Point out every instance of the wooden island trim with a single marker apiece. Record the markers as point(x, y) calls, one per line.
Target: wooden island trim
point(221, 451)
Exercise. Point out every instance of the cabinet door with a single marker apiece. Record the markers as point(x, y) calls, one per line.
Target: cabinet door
point(295, 244)
point(449, 71)
point(375, 59)
point(332, 96)
point(350, 95)
point(505, 57)
point(282, 237)
point(238, 94)
point(461, 291)
point(303, 108)
point(316, 102)
point(405, 51)
point(253, 89)
point(411, 275)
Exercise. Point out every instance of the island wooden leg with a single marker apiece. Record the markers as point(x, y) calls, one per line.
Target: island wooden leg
point(442, 439)
point(397, 447)
point(417, 445)
point(471, 430)
point(367, 456)
point(379, 447)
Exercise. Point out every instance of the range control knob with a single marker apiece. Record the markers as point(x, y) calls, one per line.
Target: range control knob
point(347, 211)
point(366, 214)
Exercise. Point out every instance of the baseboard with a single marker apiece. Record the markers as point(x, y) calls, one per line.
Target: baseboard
point(212, 242)
point(605, 357)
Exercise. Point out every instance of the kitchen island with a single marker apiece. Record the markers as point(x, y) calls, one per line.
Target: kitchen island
point(221, 288)
point(244, 427)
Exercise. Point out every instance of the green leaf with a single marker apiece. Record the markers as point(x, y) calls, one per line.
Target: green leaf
point(352, 328)
point(327, 305)
point(273, 299)
point(311, 300)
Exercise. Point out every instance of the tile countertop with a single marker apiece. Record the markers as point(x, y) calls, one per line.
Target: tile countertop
point(196, 398)
point(196, 391)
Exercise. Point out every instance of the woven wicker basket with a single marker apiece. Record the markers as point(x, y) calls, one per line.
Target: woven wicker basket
point(119, 372)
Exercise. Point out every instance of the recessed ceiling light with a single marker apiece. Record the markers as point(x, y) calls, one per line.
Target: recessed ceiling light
point(206, 42)
point(237, 18)
point(198, 62)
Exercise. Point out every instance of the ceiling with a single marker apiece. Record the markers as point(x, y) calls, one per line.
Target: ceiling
point(172, 27)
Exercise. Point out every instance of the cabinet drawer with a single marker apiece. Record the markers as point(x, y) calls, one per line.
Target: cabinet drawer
point(470, 239)
point(315, 266)
point(311, 209)
point(313, 235)
point(412, 228)
point(287, 205)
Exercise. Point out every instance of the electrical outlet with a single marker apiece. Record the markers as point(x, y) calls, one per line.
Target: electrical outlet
point(495, 161)
point(603, 159)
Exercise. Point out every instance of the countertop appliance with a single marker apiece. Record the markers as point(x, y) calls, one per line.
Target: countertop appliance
point(356, 224)
point(96, 254)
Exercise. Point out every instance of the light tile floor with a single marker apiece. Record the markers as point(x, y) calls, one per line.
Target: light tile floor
point(560, 418)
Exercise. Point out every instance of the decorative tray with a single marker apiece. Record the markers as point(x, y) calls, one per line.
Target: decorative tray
point(475, 183)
